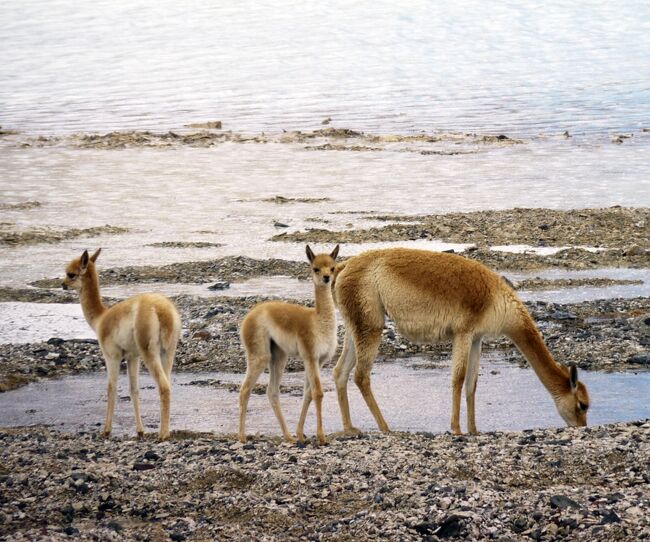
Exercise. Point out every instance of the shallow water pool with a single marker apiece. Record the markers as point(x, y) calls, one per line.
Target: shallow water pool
point(413, 397)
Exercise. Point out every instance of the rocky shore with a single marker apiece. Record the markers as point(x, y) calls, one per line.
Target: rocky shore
point(563, 484)
point(574, 484)
point(609, 335)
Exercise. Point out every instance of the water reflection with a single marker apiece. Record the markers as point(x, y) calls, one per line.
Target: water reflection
point(412, 398)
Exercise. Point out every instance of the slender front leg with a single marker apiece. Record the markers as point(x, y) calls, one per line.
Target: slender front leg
point(133, 367)
point(313, 374)
point(471, 379)
point(344, 366)
point(460, 356)
point(306, 401)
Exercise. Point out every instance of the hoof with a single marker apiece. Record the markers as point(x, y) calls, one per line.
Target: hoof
point(290, 439)
point(322, 440)
point(351, 431)
point(163, 436)
point(106, 434)
point(140, 435)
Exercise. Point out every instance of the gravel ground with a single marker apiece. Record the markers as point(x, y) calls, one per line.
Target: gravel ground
point(567, 484)
point(574, 484)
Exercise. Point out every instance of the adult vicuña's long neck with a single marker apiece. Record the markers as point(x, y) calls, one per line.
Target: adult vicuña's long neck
point(91, 300)
point(324, 302)
point(529, 341)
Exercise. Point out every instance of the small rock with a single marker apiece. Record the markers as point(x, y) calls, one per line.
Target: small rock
point(71, 531)
point(640, 359)
point(610, 517)
point(202, 335)
point(280, 224)
point(143, 466)
point(151, 455)
point(562, 501)
point(220, 285)
point(635, 250)
point(115, 526)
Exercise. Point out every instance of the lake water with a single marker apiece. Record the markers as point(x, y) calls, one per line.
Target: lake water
point(516, 66)
point(412, 398)
point(520, 68)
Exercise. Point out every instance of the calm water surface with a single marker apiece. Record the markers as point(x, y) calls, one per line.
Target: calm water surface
point(516, 66)
point(412, 399)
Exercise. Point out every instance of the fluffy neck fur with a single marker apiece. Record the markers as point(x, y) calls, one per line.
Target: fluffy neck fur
point(324, 303)
point(91, 300)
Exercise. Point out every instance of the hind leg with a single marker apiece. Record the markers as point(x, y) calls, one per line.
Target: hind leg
point(133, 367)
point(167, 356)
point(276, 369)
point(460, 356)
point(367, 347)
point(152, 361)
point(344, 366)
point(471, 378)
point(312, 374)
point(255, 367)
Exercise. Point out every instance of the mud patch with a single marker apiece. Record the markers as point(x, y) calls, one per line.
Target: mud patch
point(48, 235)
point(185, 244)
point(231, 269)
point(210, 125)
point(324, 139)
point(281, 200)
point(553, 284)
point(20, 206)
point(625, 228)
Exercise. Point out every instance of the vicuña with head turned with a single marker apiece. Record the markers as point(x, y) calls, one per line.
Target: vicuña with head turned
point(274, 330)
point(145, 326)
point(434, 296)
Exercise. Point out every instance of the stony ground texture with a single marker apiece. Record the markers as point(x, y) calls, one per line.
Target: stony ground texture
point(573, 484)
point(609, 227)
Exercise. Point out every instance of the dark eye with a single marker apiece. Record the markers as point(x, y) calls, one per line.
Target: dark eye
point(316, 270)
point(71, 275)
point(583, 406)
point(332, 270)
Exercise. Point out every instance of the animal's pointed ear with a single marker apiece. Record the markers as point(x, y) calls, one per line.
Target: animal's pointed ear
point(84, 261)
point(573, 376)
point(94, 257)
point(335, 252)
point(310, 254)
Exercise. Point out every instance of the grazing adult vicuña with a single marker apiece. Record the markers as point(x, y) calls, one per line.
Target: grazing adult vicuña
point(433, 296)
point(145, 326)
point(274, 330)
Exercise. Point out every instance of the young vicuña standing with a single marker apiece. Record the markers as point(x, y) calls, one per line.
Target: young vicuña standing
point(146, 325)
point(435, 296)
point(274, 330)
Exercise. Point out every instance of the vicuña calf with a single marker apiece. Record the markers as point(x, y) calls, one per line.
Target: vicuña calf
point(274, 330)
point(437, 296)
point(146, 326)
